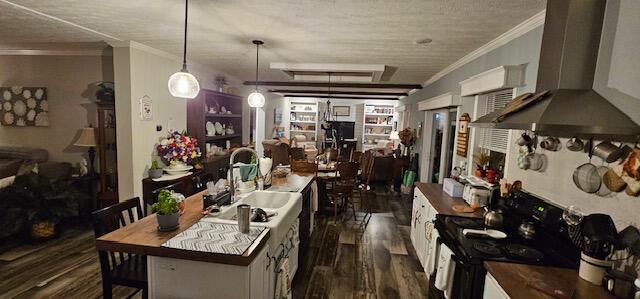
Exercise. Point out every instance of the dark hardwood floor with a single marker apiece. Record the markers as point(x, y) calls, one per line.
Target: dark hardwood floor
point(346, 259)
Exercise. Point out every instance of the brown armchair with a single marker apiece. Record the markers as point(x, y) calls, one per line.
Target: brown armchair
point(277, 150)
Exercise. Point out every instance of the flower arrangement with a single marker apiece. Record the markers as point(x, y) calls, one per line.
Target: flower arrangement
point(178, 147)
point(407, 136)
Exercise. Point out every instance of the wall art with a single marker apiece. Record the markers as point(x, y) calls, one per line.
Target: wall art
point(24, 106)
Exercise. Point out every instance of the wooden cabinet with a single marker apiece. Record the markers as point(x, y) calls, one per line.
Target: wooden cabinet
point(215, 108)
point(107, 155)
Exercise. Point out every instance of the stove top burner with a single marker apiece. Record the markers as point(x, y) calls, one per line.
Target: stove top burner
point(524, 252)
point(488, 248)
point(466, 222)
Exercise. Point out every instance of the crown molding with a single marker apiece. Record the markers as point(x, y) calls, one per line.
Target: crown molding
point(36, 52)
point(143, 47)
point(531, 23)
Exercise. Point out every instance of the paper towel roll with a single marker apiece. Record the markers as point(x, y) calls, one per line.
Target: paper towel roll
point(265, 170)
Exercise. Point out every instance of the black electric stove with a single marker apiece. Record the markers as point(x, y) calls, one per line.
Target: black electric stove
point(550, 245)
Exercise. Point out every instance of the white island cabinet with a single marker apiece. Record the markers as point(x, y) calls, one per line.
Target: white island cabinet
point(422, 217)
point(179, 278)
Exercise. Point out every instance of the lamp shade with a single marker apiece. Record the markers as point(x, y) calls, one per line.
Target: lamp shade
point(87, 137)
point(394, 135)
point(183, 85)
point(256, 99)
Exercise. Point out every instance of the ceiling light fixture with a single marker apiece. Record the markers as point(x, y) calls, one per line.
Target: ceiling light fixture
point(182, 84)
point(256, 99)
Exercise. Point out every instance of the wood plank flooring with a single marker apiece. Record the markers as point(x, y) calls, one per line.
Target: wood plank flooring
point(346, 259)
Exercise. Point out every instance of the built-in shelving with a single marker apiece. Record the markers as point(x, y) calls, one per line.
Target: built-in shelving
point(377, 124)
point(303, 119)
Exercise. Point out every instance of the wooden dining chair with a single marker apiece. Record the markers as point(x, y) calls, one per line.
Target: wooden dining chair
point(355, 156)
point(177, 188)
point(120, 268)
point(343, 186)
point(331, 154)
point(304, 167)
point(296, 154)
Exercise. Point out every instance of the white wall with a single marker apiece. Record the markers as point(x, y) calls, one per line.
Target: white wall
point(140, 71)
point(70, 83)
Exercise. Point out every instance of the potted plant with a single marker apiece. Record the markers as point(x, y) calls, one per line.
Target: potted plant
point(155, 171)
point(43, 204)
point(482, 161)
point(167, 211)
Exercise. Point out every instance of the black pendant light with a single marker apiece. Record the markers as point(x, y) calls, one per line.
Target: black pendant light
point(183, 84)
point(256, 99)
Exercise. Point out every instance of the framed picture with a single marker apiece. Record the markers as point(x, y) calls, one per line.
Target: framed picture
point(24, 106)
point(146, 108)
point(341, 110)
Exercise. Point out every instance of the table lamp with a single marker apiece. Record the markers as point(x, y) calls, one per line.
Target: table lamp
point(88, 139)
point(394, 136)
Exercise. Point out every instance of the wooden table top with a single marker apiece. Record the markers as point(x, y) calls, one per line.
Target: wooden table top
point(142, 237)
point(443, 203)
point(514, 279)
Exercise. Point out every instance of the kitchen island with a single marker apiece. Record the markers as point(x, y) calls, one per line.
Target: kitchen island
point(180, 273)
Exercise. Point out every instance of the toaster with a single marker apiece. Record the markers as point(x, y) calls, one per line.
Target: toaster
point(477, 196)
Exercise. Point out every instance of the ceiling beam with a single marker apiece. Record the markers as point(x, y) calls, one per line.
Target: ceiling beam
point(338, 97)
point(367, 93)
point(343, 85)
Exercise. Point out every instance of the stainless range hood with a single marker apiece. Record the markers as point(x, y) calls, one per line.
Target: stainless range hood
point(568, 59)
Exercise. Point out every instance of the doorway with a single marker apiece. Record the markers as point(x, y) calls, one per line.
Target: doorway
point(438, 140)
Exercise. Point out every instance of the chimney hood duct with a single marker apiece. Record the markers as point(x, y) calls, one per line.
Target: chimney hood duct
point(568, 57)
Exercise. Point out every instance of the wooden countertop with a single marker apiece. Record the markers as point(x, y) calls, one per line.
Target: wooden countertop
point(443, 203)
point(142, 237)
point(513, 279)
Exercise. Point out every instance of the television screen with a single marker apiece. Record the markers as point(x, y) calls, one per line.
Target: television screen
point(343, 130)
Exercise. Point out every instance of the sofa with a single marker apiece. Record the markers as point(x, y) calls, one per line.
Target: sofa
point(18, 160)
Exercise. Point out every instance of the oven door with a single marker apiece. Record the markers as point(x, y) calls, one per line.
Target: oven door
point(467, 280)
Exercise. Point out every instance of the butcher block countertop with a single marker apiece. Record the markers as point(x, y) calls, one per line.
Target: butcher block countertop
point(514, 278)
point(443, 203)
point(142, 237)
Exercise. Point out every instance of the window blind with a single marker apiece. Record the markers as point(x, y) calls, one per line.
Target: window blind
point(494, 139)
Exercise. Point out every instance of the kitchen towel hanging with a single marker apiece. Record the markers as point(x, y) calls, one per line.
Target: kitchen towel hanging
point(446, 269)
point(434, 253)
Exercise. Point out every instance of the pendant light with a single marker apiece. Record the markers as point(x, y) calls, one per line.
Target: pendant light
point(256, 99)
point(182, 84)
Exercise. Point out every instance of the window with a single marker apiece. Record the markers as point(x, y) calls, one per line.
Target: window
point(493, 139)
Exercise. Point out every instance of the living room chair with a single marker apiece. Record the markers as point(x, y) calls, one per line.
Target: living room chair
point(118, 268)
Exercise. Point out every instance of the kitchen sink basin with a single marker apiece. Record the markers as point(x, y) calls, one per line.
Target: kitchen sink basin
point(285, 205)
point(268, 200)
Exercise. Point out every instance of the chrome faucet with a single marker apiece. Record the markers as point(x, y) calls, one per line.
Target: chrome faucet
point(232, 183)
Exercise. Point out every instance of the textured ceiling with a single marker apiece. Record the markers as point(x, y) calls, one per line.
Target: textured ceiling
point(298, 31)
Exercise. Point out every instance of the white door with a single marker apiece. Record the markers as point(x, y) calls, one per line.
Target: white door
point(437, 144)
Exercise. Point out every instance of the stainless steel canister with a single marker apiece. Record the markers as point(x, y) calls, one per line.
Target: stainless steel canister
point(244, 215)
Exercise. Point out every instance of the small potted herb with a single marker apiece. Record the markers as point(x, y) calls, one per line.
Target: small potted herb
point(155, 171)
point(167, 211)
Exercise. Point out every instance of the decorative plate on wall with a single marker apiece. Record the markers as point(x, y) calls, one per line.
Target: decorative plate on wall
point(24, 106)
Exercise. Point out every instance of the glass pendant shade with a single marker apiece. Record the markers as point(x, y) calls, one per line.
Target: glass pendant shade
point(256, 99)
point(183, 85)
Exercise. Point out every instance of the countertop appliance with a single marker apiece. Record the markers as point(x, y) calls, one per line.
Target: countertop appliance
point(550, 245)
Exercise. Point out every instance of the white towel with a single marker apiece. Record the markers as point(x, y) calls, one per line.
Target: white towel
point(314, 203)
point(446, 269)
point(283, 281)
point(265, 169)
point(434, 253)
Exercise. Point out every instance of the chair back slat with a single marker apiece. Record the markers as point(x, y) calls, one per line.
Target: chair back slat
point(304, 167)
point(297, 154)
point(348, 172)
point(110, 219)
